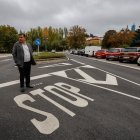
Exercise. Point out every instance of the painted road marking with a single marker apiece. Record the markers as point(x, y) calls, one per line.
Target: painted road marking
point(88, 66)
point(17, 81)
point(5, 60)
point(136, 68)
point(37, 84)
point(108, 89)
point(56, 65)
point(118, 64)
point(51, 123)
point(40, 91)
point(60, 73)
point(72, 89)
point(110, 80)
point(77, 62)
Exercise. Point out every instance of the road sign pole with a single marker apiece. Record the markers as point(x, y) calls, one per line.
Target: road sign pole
point(38, 49)
point(38, 43)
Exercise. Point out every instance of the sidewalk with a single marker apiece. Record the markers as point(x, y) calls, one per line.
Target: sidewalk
point(5, 55)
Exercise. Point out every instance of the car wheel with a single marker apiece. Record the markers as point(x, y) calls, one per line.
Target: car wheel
point(120, 61)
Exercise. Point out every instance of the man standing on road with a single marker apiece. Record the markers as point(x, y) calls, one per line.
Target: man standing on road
point(22, 54)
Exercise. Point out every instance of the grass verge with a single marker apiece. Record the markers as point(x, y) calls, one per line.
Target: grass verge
point(48, 56)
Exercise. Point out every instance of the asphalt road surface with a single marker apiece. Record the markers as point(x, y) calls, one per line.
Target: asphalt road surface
point(77, 99)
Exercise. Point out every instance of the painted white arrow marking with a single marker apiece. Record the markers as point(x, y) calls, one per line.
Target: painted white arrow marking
point(60, 73)
point(88, 66)
point(110, 80)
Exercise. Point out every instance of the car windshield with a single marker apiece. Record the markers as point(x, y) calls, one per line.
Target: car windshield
point(114, 50)
point(130, 50)
point(101, 51)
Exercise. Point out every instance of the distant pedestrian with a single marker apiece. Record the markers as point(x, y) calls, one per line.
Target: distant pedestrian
point(23, 57)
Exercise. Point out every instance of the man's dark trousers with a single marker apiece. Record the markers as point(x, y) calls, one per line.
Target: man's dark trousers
point(25, 73)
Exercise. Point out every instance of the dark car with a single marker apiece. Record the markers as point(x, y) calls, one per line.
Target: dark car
point(114, 53)
point(101, 53)
point(81, 52)
point(130, 54)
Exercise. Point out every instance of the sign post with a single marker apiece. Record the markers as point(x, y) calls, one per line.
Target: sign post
point(38, 43)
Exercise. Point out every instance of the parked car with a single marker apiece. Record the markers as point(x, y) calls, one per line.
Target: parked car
point(71, 51)
point(138, 61)
point(81, 52)
point(130, 54)
point(76, 52)
point(114, 53)
point(101, 53)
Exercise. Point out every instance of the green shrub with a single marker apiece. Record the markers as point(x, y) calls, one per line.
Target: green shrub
point(48, 55)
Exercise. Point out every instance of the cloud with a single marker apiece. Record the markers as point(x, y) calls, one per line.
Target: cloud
point(97, 16)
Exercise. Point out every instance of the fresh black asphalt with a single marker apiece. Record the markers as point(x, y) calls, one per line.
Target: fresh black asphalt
point(110, 116)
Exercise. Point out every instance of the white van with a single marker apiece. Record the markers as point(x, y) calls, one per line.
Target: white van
point(91, 50)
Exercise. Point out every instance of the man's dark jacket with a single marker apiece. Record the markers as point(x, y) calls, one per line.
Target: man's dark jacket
point(18, 54)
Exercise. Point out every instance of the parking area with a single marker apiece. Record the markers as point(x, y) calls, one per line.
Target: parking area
point(116, 56)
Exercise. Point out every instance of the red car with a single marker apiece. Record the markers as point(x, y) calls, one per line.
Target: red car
point(101, 53)
point(130, 54)
point(114, 53)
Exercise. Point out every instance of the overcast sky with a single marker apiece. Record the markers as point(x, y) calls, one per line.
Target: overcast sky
point(96, 16)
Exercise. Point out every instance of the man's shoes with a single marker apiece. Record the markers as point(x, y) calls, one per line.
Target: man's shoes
point(22, 89)
point(29, 86)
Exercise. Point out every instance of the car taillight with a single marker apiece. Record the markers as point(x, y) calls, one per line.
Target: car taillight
point(135, 54)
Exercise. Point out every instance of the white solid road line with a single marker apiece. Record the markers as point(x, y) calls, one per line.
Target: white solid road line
point(17, 81)
point(56, 65)
point(136, 68)
point(9, 83)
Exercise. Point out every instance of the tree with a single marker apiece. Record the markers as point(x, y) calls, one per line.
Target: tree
point(76, 37)
point(8, 36)
point(125, 37)
point(118, 39)
point(106, 43)
point(33, 34)
point(136, 39)
point(55, 37)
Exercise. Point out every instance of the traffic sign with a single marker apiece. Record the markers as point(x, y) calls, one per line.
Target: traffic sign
point(38, 42)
